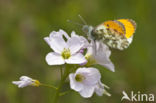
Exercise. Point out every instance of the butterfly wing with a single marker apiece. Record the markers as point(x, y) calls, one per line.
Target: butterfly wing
point(115, 26)
point(115, 33)
point(129, 26)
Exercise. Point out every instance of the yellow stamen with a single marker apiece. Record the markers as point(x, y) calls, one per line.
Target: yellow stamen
point(66, 53)
point(36, 83)
point(79, 78)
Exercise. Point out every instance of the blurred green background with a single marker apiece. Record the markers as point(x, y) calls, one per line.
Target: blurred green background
point(24, 24)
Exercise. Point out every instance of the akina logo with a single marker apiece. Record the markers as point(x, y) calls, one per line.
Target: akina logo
point(141, 97)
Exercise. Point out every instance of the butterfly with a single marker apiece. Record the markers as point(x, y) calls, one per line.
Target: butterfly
point(116, 34)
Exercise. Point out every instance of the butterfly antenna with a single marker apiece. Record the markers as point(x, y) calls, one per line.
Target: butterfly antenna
point(82, 19)
point(70, 21)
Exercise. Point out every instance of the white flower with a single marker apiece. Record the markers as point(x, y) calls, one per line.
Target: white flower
point(65, 51)
point(26, 81)
point(86, 82)
point(99, 53)
point(82, 39)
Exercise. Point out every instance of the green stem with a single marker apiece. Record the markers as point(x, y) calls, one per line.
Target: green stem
point(64, 76)
point(61, 72)
point(63, 93)
point(47, 85)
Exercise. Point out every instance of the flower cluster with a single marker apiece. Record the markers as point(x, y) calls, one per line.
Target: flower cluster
point(70, 50)
point(75, 49)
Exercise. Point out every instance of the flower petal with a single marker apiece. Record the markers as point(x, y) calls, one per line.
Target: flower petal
point(58, 44)
point(64, 33)
point(16, 82)
point(53, 58)
point(51, 35)
point(108, 65)
point(73, 34)
point(84, 42)
point(76, 59)
point(20, 84)
point(56, 41)
point(25, 78)
point(73, 84)
point(74, 44)
point(92, 75)
point(24, 84)
point(47, 40)
point(87, 91)
point(102, 54)
point(54, 33)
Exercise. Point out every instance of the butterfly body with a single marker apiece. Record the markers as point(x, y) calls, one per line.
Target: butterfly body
point(116, 34)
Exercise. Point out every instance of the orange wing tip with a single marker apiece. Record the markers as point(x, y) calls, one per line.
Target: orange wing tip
point(130, 27)
point(133, 23)
point(114, 26)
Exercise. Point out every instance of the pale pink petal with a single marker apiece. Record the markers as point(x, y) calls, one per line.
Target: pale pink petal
point(74, 44)
point(58, 44)
point(51, 35)
point(17, 82)
point(24, 84)
point(87, 91)
point(92, 75)
point(54, 59)
point(109, 65)
point(54, 33)
point(77, 86)
point(47, 40)
point(25, 78)
point(102, 54)
point(76, 59)
point(63, 33)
